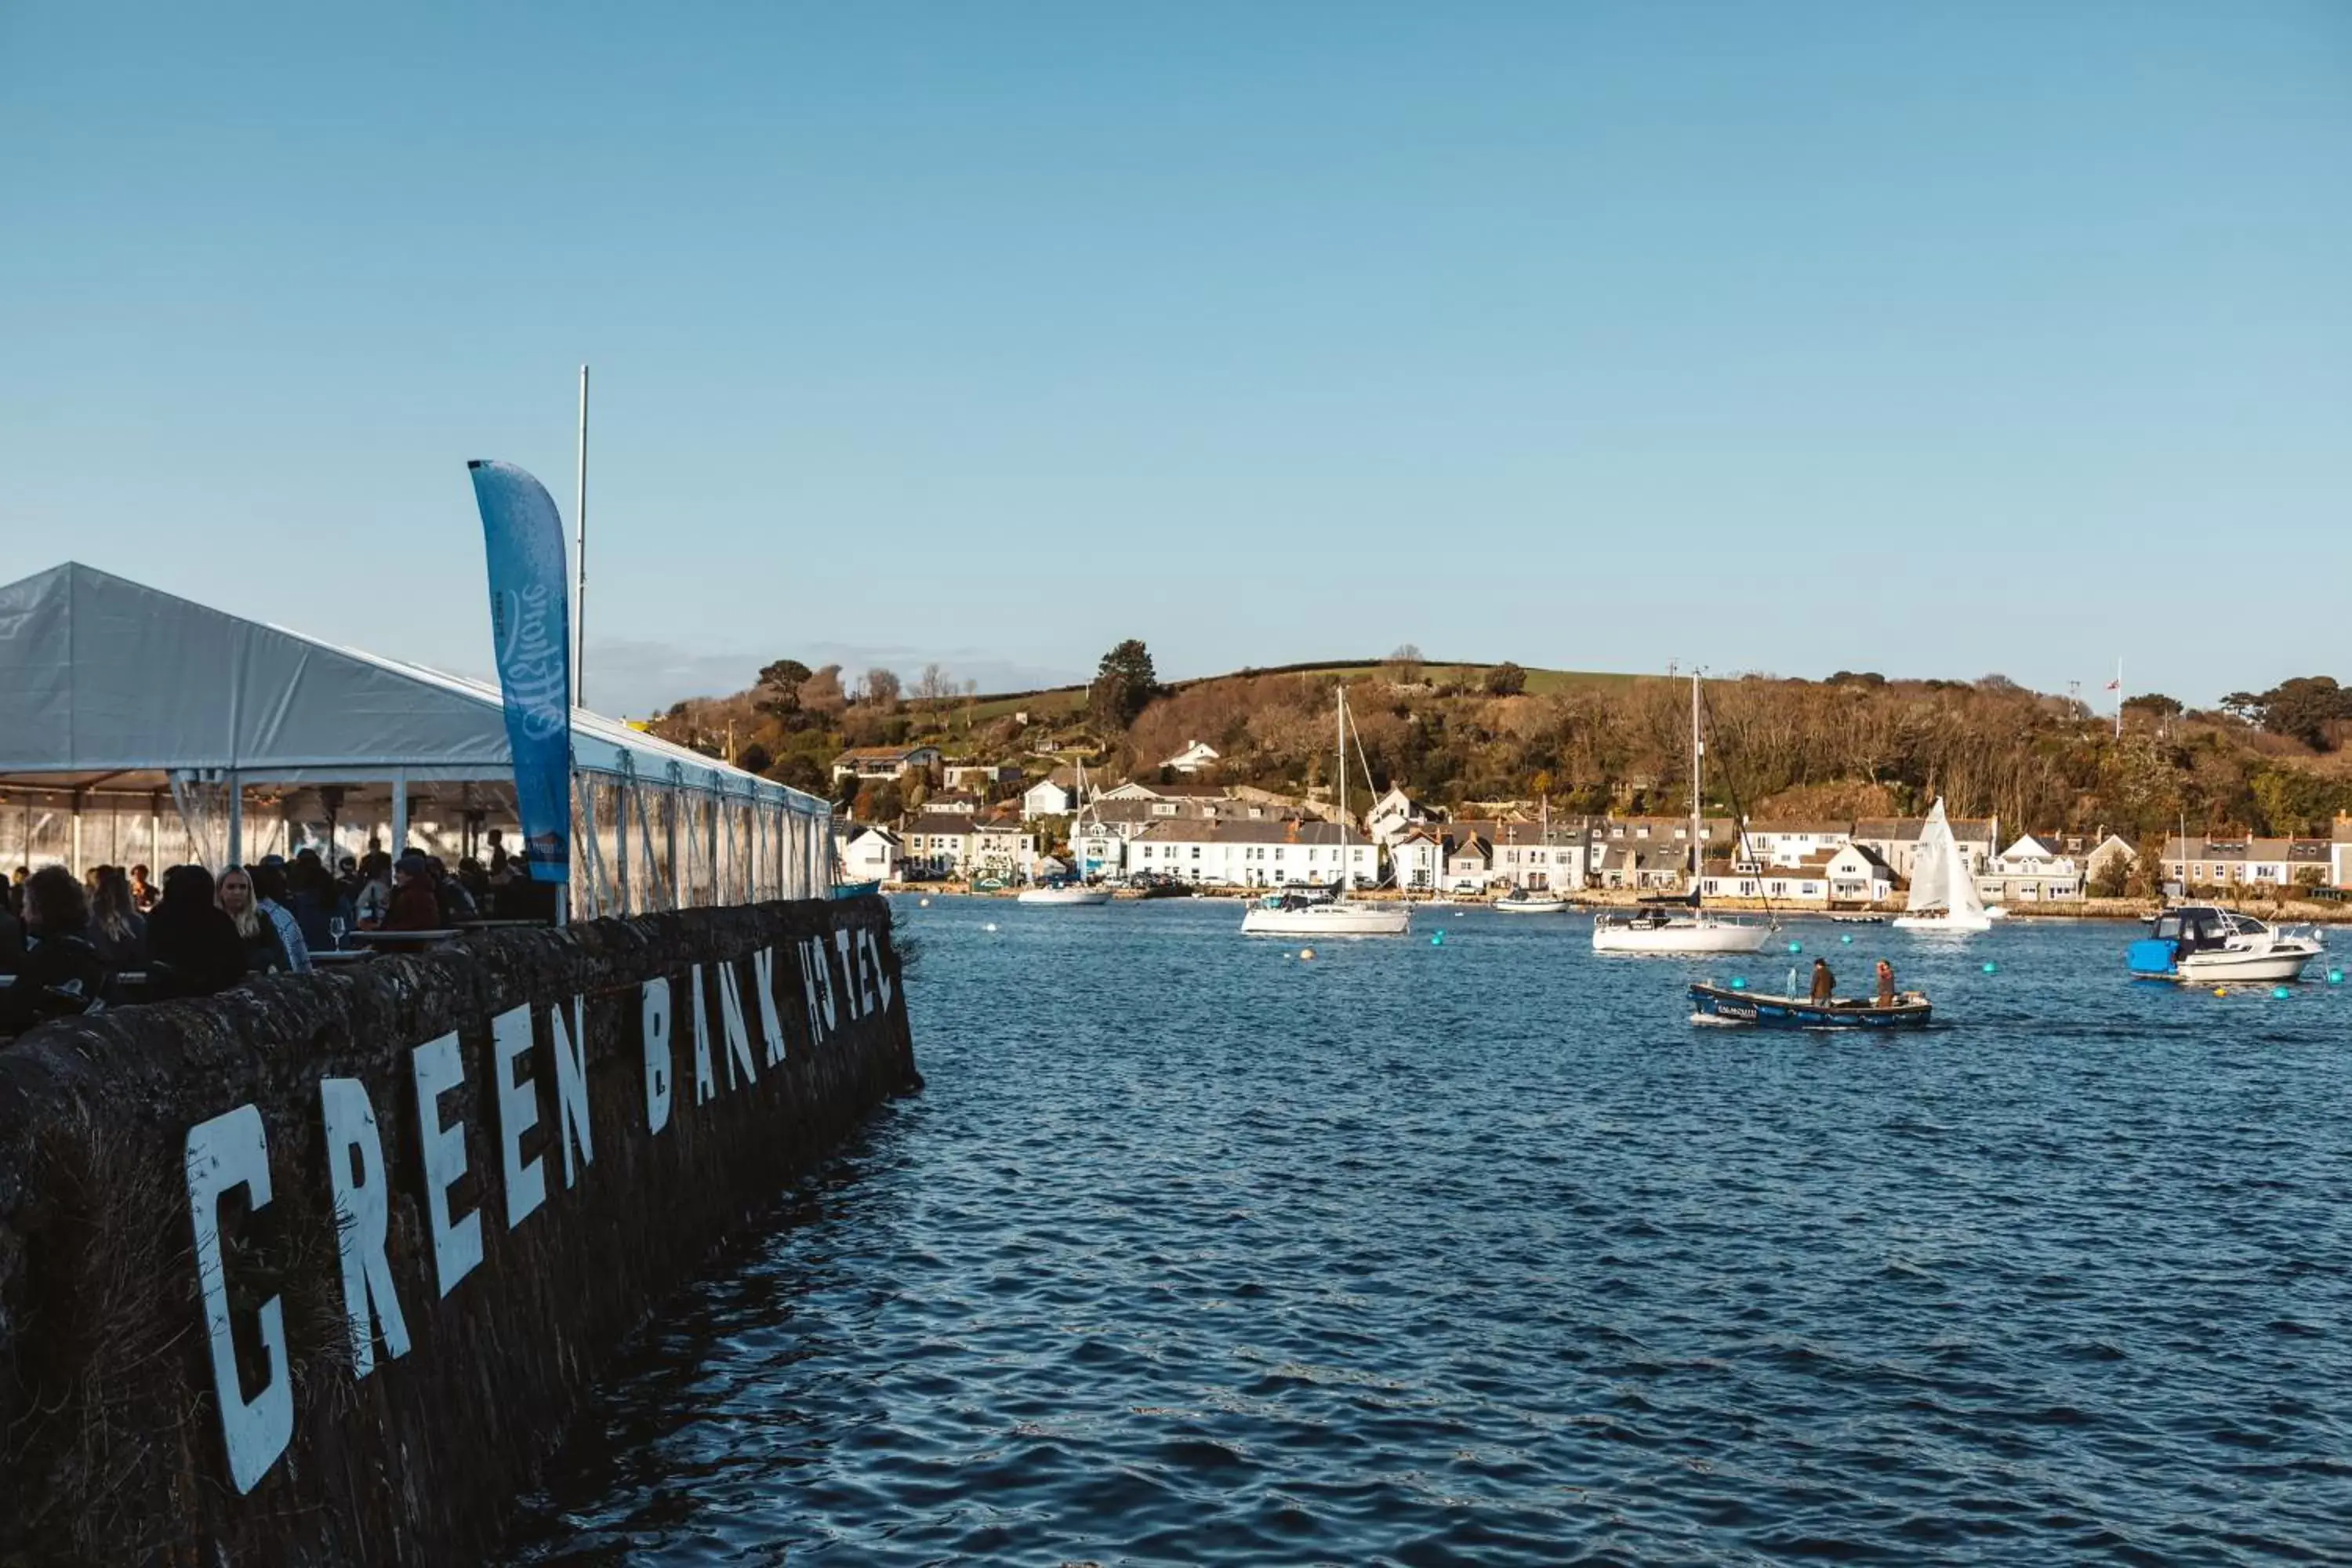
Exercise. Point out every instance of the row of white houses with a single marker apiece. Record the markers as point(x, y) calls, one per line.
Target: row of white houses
point(1198, 845)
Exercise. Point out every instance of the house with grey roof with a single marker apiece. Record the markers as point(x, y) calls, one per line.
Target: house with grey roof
point(1242, 853)
point(2250, 865)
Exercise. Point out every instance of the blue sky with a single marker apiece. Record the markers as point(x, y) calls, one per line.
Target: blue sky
point(1931, 338)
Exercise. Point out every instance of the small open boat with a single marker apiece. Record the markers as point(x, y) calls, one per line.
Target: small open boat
point(1725, 1005)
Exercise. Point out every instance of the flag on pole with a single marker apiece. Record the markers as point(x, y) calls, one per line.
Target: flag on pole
point(522, 535)
point(2116, 684)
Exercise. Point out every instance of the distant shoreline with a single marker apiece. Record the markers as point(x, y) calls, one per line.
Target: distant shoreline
point(2132, 910)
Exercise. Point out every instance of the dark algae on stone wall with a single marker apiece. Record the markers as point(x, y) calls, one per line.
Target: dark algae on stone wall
point(318, 1271)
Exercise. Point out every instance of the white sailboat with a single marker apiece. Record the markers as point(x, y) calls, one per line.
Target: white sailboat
point(1075, 891)
point(1338, 916)
point(1942, 889)
point(1700, 931)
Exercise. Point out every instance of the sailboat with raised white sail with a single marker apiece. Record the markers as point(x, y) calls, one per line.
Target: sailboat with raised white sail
point(1293, 915)
point(1943, 888)
point(1699, 931)
point(1076, 890)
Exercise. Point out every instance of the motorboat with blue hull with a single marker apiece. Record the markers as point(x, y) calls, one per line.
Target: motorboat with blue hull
point(2200, 944)
point(1733, 1005)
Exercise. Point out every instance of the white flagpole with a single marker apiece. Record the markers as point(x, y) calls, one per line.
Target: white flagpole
point(580, 526)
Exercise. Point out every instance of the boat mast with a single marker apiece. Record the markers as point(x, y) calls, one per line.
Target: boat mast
point(1698, 861)
point(1343, 791)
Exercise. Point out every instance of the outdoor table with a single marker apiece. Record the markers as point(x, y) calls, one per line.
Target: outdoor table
point(332, 957)
point(494, 925)
point(400, 939)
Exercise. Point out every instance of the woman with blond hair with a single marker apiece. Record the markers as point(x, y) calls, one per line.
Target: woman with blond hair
point(264, 950)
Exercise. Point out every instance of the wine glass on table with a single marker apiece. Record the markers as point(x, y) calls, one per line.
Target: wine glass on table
point(335, 930)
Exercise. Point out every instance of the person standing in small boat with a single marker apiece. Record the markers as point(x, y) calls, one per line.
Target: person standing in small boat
point(1824, 984)
point(1885, 983)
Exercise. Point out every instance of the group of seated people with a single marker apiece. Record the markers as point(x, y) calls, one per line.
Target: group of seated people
point(63, 939)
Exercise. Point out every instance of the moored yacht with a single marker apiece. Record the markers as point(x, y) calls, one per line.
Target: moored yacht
point(1659, 930)
point(1073, 889)
point(2203, 945)
point(1293, 915)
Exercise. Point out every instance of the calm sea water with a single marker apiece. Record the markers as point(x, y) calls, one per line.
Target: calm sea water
point(1194, 1252)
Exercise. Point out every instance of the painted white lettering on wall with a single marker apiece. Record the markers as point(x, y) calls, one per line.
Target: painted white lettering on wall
point(572, 1087)
point(815, 988)
point(526, 1180)
point(230, 1152)
point(705, 1083)
point(355, 1172)
point(865, 968)
point(771, 1026)
point(740, 1071)
point(849, 977)
point(655, 1009)
point(881, 972)
point(457, 1247)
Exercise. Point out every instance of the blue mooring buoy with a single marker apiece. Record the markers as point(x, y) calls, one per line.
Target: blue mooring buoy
point(2335, 977)
point(1438, 939)
point(1989, 966)
point(1845, 941)
point(1739, 984)
point(1796, 947)
point(2279, 993)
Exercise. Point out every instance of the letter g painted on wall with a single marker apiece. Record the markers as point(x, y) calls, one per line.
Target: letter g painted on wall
point(230, 1152)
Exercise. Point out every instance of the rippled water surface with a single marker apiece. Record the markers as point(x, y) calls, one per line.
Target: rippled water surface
point(1478, 1252)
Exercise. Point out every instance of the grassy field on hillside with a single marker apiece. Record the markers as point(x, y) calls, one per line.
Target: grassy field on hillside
point(1070, 699)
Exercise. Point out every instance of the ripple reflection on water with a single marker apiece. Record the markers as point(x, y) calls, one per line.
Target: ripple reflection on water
point(1194, 1252)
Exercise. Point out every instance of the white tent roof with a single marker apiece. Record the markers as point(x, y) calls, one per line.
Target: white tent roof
point(101, 676)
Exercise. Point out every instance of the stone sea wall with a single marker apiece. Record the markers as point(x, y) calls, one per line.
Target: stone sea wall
point(317, 1272)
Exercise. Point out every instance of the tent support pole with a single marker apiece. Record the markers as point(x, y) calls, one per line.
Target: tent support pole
point(235, 819)
point(399, 812)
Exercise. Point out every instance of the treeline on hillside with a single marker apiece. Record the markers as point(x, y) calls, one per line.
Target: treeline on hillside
point(1857, 744)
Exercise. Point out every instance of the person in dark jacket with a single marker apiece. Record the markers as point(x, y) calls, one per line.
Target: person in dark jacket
point(12, 938)
point(193, 949)
point(1824, 984)
point(61, 973)
point(317, 902)
point(117, 930)
point(415, 902)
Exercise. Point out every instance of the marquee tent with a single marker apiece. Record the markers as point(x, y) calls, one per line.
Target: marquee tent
point(119, 703)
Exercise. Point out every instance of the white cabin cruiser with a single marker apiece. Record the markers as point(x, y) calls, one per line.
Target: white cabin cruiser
point(2203, 945)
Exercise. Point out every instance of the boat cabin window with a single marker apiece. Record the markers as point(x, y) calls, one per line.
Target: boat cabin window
point(2168, 929)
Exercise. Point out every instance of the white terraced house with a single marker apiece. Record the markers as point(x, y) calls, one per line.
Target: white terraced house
point(870, 854)
point(1524, 854)
point(1247, 854)
point(2036, 870)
